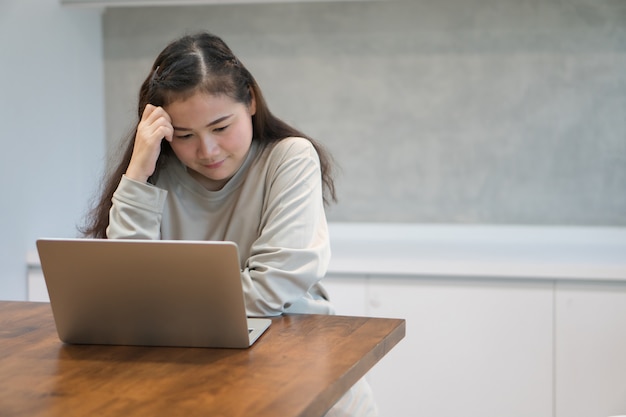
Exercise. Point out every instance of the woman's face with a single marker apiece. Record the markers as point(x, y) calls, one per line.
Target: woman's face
point(212, 136)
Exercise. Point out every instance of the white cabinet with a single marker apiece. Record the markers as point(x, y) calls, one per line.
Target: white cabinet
point(472, 347)
point(495, 347)
point(348, 294)
point(476, 348)
point(590, 349)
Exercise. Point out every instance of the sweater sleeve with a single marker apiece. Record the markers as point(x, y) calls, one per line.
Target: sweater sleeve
point(137, 211)
point(292, 252)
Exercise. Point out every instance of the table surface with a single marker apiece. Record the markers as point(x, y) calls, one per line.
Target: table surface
point(300, 367)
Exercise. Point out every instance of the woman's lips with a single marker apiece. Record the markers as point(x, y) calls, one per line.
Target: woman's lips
point(214, 165)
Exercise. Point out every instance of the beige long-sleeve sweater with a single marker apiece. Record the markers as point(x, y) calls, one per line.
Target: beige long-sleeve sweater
point(272, 208)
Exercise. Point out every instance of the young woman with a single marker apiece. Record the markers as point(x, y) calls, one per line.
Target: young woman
point(209, 161)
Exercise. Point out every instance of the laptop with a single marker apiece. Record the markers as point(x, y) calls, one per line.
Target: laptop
point(147, 293)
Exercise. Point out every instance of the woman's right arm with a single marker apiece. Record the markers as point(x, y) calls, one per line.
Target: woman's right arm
point(137, 211)
point(138, 206)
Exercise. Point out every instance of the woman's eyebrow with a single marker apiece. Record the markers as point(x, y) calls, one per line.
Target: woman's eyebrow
point(214, 122)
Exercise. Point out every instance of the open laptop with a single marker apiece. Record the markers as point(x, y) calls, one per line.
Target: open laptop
point(147, 292)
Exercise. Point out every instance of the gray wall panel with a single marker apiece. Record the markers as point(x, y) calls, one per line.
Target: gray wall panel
point(475, 111)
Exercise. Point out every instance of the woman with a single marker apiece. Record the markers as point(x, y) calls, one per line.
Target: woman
point(209, 161)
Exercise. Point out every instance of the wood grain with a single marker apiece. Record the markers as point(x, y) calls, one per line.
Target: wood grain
point(300, 367)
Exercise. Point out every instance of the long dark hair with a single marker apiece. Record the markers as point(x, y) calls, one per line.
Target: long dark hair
point(200, 63)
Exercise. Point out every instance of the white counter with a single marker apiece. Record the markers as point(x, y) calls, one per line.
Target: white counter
point(541, 252)
point(392, 249)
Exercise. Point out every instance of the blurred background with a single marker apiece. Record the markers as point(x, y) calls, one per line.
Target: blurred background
point(481, 147)
point(453, 111)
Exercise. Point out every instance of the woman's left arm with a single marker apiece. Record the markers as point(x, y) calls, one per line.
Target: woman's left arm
point(292, 253)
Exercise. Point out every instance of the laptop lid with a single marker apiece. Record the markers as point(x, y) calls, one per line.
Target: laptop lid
point(147, 292)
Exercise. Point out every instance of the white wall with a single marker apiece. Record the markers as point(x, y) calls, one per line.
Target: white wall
point(52, 127)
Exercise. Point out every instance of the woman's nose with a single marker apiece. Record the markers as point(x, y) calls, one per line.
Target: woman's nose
point(208, 147)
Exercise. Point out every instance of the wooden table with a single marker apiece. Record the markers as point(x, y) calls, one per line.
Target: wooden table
point(300, 367)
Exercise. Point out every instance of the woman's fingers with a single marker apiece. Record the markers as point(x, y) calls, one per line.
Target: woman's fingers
point(154, 126)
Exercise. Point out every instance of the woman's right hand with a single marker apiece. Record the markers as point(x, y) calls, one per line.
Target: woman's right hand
point(154, 126)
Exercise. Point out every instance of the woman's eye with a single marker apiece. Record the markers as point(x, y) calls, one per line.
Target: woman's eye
point(187, 136)
point(220, 129)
